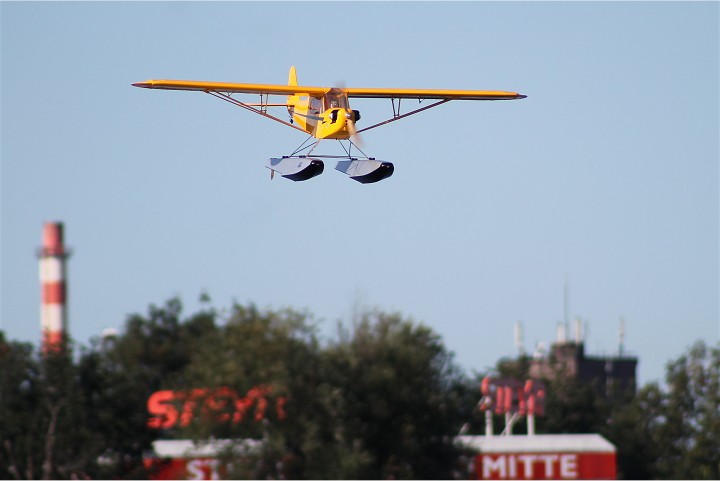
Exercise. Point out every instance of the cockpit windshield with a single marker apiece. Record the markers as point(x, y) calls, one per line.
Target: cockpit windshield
point(335, 100)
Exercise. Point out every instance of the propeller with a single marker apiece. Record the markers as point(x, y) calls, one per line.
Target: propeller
point(354, 135)
point(352, 116)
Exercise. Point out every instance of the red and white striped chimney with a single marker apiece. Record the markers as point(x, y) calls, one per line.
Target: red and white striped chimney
point(53, 310)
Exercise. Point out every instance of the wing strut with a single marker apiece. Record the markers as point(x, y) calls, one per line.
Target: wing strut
point(261, 111)
point(397, 116)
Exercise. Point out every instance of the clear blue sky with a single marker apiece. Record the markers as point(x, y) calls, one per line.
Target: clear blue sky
point(606, 175)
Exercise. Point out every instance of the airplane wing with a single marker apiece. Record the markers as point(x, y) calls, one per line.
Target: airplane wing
point(263, 89)
point(428, 94)
point(378, 93)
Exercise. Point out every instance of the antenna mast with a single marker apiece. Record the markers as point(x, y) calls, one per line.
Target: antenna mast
point(566, 318)
point(518, 332)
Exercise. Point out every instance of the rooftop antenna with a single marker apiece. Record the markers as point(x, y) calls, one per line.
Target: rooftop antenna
point(565, 308)
point(518, 332)
point(561, 338)
point(578, 330)
point(621, 338)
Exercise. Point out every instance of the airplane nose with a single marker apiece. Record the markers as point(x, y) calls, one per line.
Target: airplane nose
point(146, 84)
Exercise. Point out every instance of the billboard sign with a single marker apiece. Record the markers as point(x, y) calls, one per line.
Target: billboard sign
point(170, 409)
point(566, 456)
point(186, 459)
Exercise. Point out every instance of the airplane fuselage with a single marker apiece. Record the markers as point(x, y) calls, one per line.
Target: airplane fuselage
point(329, 117)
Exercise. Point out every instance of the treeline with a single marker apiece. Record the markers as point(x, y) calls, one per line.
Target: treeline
point(384, 399)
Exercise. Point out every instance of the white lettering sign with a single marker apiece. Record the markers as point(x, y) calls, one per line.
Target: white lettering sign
point(203, 469)
point(490, 466)
point(530, 466)
point(568, 466)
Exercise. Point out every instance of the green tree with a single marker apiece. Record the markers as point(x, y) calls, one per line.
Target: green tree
point(42, 420)
point(572, 407)
point(63, 418)
point(119, 373)
point(384, 400)
point(398, 398)
point(277, 355)
point(156, 348)
point(20, 446)
point(687, 419)
point(630, 427)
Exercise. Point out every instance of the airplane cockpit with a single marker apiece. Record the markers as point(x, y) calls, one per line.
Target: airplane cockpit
point(335, 99)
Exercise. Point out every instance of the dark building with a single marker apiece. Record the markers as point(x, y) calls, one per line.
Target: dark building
point(611, 375)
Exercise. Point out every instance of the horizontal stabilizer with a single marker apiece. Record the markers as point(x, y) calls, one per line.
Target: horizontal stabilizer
point(366, 171)
point(296, 168)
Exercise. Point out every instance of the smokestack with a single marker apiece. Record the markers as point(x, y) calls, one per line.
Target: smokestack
point(53, 309)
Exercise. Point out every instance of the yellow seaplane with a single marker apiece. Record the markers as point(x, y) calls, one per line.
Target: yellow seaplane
point(325, 113)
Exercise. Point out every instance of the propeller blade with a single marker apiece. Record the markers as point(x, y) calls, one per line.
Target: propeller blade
point(354, 135)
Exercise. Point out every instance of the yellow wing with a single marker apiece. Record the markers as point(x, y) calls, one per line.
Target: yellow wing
point(379, 93)
point(231, 87)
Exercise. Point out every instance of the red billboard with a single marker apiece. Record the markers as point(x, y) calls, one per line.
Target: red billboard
point(186, 459)
point(545, 466)
point(566, 456)
point(181, 468)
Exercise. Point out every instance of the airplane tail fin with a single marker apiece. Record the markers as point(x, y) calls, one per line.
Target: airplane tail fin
point(292, 99)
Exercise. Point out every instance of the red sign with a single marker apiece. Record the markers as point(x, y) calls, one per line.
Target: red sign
point(545, 466)
point(177, 408)
point(181, 468)
point(513, 396)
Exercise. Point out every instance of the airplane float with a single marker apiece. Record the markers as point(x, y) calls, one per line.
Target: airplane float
point(325, 113)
